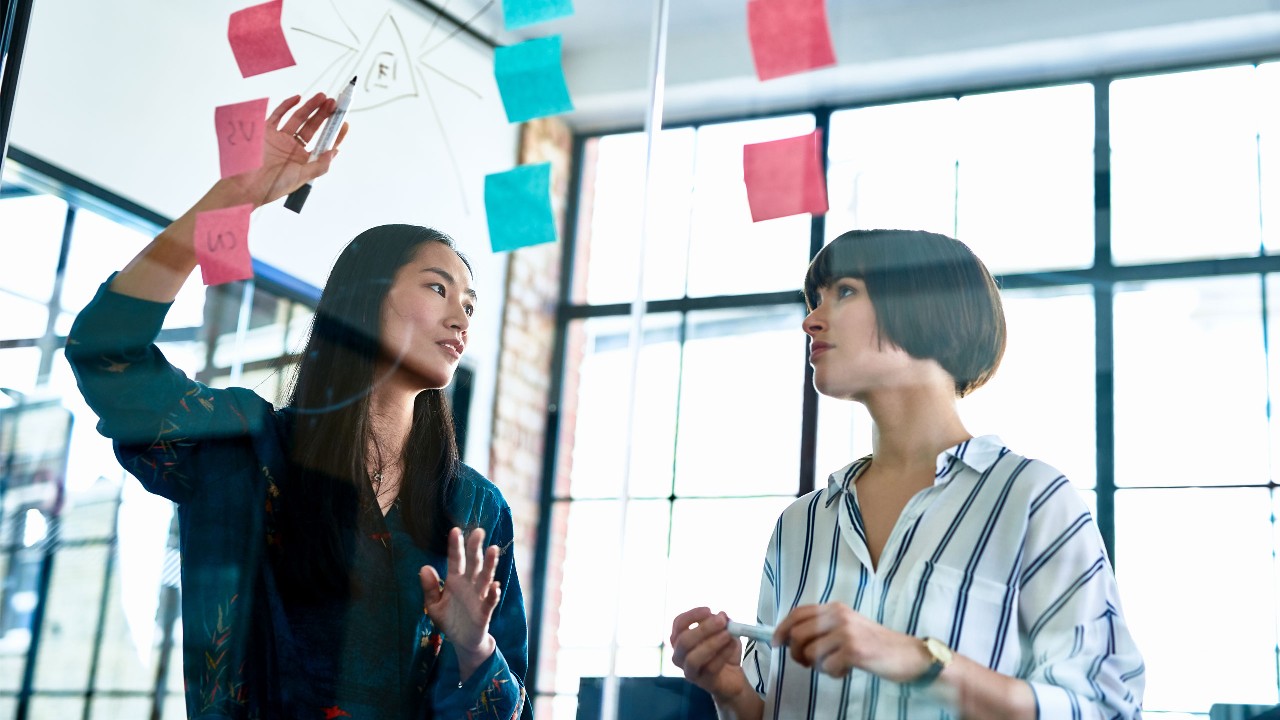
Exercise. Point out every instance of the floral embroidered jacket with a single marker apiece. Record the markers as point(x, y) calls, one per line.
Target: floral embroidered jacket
point(248, 653)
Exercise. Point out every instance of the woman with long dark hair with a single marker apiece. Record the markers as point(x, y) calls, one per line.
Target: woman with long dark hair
point(338, 559)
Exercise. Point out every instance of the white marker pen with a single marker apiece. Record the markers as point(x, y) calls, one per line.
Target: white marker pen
point(759, 633)
point(328, 135)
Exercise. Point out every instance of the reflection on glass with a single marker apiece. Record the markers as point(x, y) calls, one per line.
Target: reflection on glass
point(893, 166)
point(1190, 383)
point(740, 403)
point(727, 247)
point(1041, 399)
point(1025, 182)
point(612, 207)
point(35, 224)
point(602, 382)
point(1197, 580)
point(1184, 165)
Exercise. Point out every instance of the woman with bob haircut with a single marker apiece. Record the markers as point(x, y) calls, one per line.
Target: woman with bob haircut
point(338, 558)
point(943, 574)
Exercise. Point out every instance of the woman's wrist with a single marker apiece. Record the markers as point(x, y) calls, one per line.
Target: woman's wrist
point(471, 658)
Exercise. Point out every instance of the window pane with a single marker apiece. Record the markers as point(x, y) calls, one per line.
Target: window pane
point(1190, 368)
point(609, 229)
point(595, 583)
point(71, 617)
point(600, 394)
point(740, 398)
point(1041, 399)
point(1268, 98)
point(844, 435)
point(727, 246)
point(100, 247)
point(35, 224)
point(22, 319)
point(1026, 178)
point(717, 554)
point(18, 369)
point(893, 166)
point(1223, 648)
point(1184, 165)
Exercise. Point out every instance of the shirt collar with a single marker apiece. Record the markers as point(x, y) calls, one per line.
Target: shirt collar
point(978, 453)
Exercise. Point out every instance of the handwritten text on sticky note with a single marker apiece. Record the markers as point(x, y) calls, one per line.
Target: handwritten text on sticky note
point(531, 80)
point(785, 177)
point(257, 40)
point(518, 206)
point(222, 245)
point(789, 36)
point(240, 132)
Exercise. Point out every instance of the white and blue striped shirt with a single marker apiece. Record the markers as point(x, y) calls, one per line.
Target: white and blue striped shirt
point(1000, 560)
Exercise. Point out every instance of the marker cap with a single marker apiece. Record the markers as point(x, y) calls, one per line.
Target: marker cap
point(298, 198)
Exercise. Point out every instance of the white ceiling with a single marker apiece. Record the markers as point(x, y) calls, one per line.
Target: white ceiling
point(885, 48)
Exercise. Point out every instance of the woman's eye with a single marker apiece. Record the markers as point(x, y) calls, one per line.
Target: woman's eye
point(469, 310)
point(437, 287)
point(846, 291)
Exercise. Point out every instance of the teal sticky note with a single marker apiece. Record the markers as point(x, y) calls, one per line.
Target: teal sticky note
point(531, 80)
point(517, 204)
point(523, 13)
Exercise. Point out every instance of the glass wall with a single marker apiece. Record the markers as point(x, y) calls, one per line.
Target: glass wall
point(1131, 222)
point(89, 606)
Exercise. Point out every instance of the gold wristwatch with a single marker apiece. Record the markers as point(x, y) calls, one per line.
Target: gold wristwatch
point(941, 655)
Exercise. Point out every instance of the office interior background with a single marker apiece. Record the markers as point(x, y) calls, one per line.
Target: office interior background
point(1116, 164)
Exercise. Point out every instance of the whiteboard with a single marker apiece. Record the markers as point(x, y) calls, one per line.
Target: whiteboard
point(122, 94)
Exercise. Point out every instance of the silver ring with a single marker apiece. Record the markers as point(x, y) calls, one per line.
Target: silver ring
point(298, 137)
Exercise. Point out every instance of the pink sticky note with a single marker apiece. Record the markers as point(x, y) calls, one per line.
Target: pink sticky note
point(240, 134)
point(258, 40)
point(789, 36)
point(222, 245)
point(784, 177)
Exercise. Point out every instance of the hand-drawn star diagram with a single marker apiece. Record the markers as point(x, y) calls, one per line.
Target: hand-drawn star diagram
point(387, 72)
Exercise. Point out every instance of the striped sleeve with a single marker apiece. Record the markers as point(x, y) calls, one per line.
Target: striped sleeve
point(1082, 661)
point(755, 658)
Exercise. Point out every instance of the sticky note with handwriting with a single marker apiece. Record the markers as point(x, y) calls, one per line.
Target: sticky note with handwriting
point(517, 204)
point(789, 36)
point(531, 79)
point(222, 245)
point(785, 177)
point(257, 40)
point(240, 133)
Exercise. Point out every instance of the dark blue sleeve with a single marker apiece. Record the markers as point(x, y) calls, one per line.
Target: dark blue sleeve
point(496, 689)
point(155, 414)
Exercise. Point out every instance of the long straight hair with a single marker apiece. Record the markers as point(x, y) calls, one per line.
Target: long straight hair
point(329, 400)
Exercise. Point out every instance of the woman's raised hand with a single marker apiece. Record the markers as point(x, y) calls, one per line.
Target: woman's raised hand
point(463, 603)
point(286, 161)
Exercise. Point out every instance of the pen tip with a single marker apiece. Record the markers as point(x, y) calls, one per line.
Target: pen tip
point(353, 80)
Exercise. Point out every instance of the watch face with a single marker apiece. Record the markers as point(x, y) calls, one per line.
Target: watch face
point(939, 651)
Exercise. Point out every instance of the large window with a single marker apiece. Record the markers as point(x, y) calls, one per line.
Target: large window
point(89, 606)
point(1130, 222)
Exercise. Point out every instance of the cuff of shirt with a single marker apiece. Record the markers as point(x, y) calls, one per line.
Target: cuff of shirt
point(1053, 701)
point(454, 697)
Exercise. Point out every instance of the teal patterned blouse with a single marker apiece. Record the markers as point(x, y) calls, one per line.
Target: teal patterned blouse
point(248, 652)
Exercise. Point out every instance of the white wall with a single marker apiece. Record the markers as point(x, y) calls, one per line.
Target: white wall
point(889, 48)
point(122, 93)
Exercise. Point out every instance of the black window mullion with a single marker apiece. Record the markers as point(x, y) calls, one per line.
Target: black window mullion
point(1104, 319)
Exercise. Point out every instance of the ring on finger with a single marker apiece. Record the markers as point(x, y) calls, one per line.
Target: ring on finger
point(300, 140)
